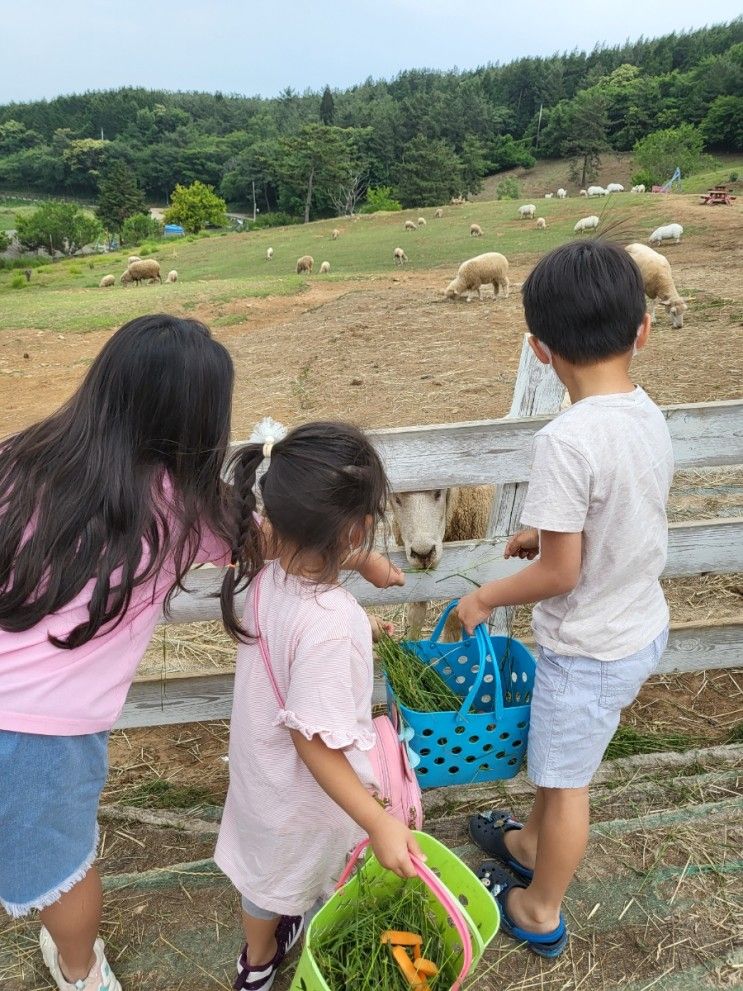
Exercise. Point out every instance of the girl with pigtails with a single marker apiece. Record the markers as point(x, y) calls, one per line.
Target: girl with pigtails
point(301, 783)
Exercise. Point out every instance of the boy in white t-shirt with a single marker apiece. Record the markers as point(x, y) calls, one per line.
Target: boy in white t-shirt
point(595, 510)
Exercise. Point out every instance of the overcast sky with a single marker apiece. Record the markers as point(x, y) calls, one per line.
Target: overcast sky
point(261, 46)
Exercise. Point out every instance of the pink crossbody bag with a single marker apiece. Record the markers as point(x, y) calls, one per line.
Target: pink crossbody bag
point(399, 789)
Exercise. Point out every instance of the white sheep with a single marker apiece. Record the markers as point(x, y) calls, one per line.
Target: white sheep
point(269, 254)
point(324, 268)
point(410, 225)
point(597, 191)
point(133, 258)
point(548, 196)
point(106, 281)
point(476, 272)
point(421, 221)
point(458, 200)
point(304, 264)
point(541, 223)
point(671, 232)
point(639, 188)
point(586, 224)
point(583, 192)
point(400, 257)
point(335, 234)
point(172, 276)
point(422, 521)
point(438, 214)
point(527, 210)
point(658, 281)
point(140, 270)
point(615, 187)
point(475, 230)
point(561, 193)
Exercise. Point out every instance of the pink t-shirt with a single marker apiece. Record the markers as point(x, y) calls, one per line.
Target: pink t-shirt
point(57, 692)
point(283, 840)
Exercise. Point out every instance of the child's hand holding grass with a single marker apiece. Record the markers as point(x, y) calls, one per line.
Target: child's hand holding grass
point(524, 544)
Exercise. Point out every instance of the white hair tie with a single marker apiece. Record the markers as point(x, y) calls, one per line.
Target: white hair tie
point(268, 432)
point(268, 447)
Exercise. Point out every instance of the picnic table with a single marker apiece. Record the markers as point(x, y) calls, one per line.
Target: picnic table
point(719, 195)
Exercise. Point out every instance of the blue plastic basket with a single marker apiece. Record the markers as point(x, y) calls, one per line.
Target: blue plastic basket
point(486, 739)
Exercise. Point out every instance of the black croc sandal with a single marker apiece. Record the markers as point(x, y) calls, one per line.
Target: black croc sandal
point(487, 829)
point(499, 883)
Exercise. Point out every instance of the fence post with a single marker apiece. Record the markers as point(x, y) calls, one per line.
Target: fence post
point(537, 391)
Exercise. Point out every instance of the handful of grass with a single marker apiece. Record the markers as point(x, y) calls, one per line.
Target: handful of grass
point(350, 955)
point(416, 685)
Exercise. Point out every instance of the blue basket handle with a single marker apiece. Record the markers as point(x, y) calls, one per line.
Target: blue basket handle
point(486, 647)
point(439, 627)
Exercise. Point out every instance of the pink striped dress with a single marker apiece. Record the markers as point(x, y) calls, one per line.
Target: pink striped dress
point(283, 841)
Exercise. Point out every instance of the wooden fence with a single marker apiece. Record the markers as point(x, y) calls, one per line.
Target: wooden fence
point(491, 452)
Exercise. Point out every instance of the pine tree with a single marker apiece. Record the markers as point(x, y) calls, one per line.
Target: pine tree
point(430, 172)
point(327, 107)
point(119, 197)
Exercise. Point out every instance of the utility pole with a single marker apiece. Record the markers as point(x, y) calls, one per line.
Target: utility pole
point(254, 209)
point(539, 124)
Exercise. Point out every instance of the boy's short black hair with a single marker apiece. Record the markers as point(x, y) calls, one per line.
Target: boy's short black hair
point(585, 301)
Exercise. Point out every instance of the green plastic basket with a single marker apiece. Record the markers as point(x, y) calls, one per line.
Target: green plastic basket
point(476, 908)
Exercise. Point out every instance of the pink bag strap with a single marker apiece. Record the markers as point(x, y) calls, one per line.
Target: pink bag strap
point(443, 896)
point(256, 602)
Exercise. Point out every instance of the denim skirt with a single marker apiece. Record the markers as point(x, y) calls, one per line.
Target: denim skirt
point(50, 787)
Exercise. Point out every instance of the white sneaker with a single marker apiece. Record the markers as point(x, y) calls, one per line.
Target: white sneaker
point(100, 978)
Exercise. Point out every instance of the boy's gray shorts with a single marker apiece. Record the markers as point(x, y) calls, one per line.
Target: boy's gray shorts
point(575, 711)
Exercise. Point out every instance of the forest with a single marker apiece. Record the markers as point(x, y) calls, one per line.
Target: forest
point(423, 136)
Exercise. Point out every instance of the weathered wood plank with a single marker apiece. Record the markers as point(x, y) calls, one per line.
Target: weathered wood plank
point(498, 452)
point(203, 697)
point(693, 548)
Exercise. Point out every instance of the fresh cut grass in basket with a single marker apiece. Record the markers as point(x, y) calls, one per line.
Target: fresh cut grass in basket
point(416, 683)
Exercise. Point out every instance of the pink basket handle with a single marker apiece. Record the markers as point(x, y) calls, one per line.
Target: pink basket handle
point(441, 893)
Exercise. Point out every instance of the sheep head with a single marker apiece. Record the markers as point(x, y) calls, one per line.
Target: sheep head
point(419, 522)
point(675, 307)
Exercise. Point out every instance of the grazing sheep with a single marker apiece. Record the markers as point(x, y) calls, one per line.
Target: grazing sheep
point(324, 268)
point(304, 264)
point(548, 196)
point(421, 221)
point(141, 270)
point(541, 223)
point(458, 200)
point(561, 193)
point(586, 224)
point(615, 187)
point(269, 254)
point(597, 191)
point(335, 234)
point(639, 189)
point(28, 272)
point(475, 230)
point(527, 210)
point(438, 214)
point(410, 225)
point(172, 276)
point(658, 281)
point(583, 192)
point(671, 232)
point(491, 267)
point(126, 278)
point(422, 521)
point(106, 281)
point(400, 257)
point(133, 258)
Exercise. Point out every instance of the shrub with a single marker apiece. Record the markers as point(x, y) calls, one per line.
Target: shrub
point(733, 177)
point(660, 152)
point(74, 270)
point(508, 189)
point(643, 178)
point(140, 227)
point(380, 198)
point(18, 281)
point(275, 219)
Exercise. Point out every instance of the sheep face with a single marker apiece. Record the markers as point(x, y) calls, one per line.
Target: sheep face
point(420, 520)
point(675, 310)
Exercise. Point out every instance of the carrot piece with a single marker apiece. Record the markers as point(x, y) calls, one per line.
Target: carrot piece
point(401, 938)
point(409, 972)
point(426, 967)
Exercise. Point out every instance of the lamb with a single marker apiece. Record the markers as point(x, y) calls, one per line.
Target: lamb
point(422, 521)
point(541, 223)
point(671, 232)
point(335, 234)
point(141, 270)
point(438, 214)
point(458, 200)
point(304, 264)
point(615, 187)
point(586, 224)
point(639, 189)
point(107, 280)
point(133, 258)
point(475, 230)
point(172, 276)
point(400, 257)
point(410, 225)
point(324, 268)
point(561, 193)
point(421, 221)
point(583, 192)
point(527, 210)
point(269, 254)
point(475, 272)
point(597, 191)
point(658, 281)
point(548, 196)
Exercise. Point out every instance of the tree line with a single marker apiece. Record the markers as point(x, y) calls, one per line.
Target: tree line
point(424, 135)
